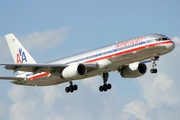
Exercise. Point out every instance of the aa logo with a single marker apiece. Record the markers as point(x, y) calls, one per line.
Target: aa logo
point(21, 57)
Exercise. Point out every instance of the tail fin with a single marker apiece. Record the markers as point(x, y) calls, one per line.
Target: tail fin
point(19, 53)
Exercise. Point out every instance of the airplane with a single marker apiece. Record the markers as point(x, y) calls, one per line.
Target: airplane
point(129, 58)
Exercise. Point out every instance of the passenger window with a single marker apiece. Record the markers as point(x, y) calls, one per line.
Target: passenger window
point(158, 39)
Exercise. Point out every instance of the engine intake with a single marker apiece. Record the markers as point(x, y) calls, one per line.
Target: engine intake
point(134, 70)
point(73, 71)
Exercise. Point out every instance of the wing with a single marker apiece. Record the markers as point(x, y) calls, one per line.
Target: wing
point(37, 68)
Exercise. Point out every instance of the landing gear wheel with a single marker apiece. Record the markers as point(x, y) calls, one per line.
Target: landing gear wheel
point(71, 88)
point(109, 86)
point(67, 89)
point(105, 86)
point(153, 70)
point(75, 87)
point(100, 88)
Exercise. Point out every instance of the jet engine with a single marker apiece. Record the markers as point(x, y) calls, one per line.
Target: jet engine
point(133, 70)
point(73, 71)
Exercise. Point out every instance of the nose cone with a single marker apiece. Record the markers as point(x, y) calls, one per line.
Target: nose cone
point(170, 46)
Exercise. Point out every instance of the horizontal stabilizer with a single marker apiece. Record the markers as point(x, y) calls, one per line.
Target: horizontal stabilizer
point(11, 78)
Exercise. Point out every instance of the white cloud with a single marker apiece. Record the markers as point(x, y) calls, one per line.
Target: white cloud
point(177, 43)
point(48, 97)
point(31, 103)
point(46, 39)
point(160, 90)
point(137, 108)
point(176, 40)
point(3, 108)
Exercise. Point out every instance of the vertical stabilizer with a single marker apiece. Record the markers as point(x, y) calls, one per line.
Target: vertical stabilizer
point(19, 53)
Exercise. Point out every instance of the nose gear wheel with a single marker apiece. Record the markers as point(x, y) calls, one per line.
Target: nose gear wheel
point(153, 69)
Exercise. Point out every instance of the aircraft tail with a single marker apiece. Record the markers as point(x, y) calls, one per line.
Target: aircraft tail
point(19, 53)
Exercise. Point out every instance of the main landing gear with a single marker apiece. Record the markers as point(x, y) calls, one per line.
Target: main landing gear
point(105, 86)
point(154, 70)
point(71, 88)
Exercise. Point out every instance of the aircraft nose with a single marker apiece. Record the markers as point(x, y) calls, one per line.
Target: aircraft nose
point(170, 46)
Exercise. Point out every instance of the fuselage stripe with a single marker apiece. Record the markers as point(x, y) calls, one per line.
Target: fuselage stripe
point(44, 74)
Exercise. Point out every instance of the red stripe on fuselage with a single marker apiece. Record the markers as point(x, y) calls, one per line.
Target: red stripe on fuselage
point(129, 51)
point(44, 74)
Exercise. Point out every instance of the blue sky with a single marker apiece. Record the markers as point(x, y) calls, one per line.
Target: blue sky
point(54, 29)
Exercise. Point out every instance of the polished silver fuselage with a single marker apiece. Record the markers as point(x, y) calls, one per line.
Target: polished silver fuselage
point(110, 58)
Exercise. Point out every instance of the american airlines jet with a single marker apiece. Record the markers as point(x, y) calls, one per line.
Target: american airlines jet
point(128, 58)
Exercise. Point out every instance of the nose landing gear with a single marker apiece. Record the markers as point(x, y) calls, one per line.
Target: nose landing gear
point(153, 69)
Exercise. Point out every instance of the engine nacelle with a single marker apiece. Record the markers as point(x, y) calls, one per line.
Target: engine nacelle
point(134, 70)
point(73, 71)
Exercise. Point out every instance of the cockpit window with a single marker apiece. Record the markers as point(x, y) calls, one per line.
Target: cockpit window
point(162, 39)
